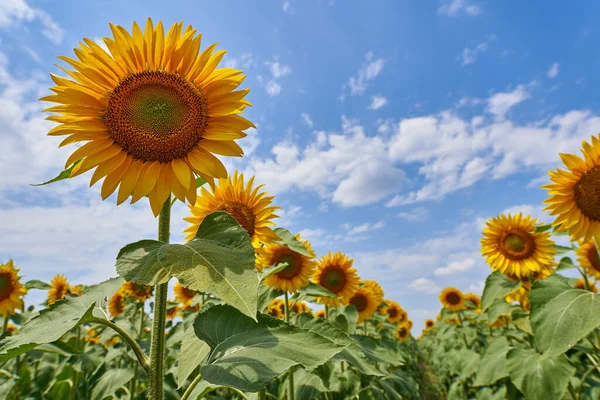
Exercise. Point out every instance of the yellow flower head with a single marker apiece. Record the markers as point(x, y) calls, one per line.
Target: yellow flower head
point(59, 288)
point(11, 289)
point(587, 256)
point(298, 271)
point(402, 332)
point(452, 299)
point(581, 285)
point(276, 308)
point(320, 314)
point(251, 209)
point(151, 112)
point(76, 290)
point(335, 273)
point(521, 296)
point(300, 307)
point(116, 304)
point(92, 336)
point(502, 320)
point(138, 292)
point(475, 299)
point(112, 341)
point(395, 313)
point(429, 323)
point(511, 246)
point(453, 321)
point(375, 287)
point(366, 302)
point(172, 312)
point(573, 195)
point(184, 295)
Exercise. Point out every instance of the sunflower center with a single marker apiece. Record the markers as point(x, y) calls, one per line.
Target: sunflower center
point(517, 244)
point(359, 301)
point(453, 298)
point(333, 280)
point(393, 312)
point(402, 332)
point(587, 194)
point(6, 286)
point(294, 266)
point(429, 324)
point(594, 258)
point(156, 116)
point(242, 214)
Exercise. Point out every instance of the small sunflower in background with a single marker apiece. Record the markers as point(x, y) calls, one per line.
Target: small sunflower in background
point(11, 289)
point(250, 208)
point(375, 287)
point(587, 256)
point(320, 314)
point(184, 295)
point(475, 299)
point(409, 323)
point(299, 266)
point(276, 308)
point(172, 311)
point(366, 302)
point(12, 328)
point(574, 193)
point(76, 290)
point(402, 332)
point(452, 321)
point(92, 336)
point(116, 304)
point(152, 112)
point(452, 299)
point(138, 292)
point(502, 320)
point(335, 273)
point(521, 296)
point(393, 310)
point(580, 284)
point(300, 307)
point(429, 323)
point(112, 341)
point(511, 246)
point(59, 287)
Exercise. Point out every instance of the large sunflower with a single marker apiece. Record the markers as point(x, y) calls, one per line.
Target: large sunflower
point(151, 111)
point(395, 313)
point(59, 288)
point(251, 209)
point(335, 273)
point(298, 271)
point(184, 295)
point(452, 299)
point(375, 288)
point(588, 258)
point(512, 247)
point(402, 332)
point(138, 292)
point(366, 302)
point(11, 289)
point(573, 195)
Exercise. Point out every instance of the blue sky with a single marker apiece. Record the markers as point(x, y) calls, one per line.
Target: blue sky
point(388, 130)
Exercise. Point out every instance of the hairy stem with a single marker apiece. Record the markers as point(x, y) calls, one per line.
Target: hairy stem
point(292, 394)
point(191, 388)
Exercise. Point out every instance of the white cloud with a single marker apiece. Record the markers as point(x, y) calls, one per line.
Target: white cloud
point(424, 285)
point(286, 6)
point(418, 214)
point(477, 287)
point(454, 8)
point(278, 71)
point(377, 102)
point(312, 235)
point(456, 267)
point(369, 71)
point(366, 227)
point(500, 103)
point(307, 120)
point(553, 71)
point(273, 88)
point(469, 55)
point(244, 61)
point(12, 12)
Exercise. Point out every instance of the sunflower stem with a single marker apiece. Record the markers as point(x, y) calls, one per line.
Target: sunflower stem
point(191, 388)
point(365, 327)
point(157, 346)
point(135, 368)
point(5, 325)
point(292, 393)
point(327, 313)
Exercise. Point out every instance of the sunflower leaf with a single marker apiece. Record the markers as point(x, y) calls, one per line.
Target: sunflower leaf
point(193, 351)
point(560, 315)
point(562, 249)
point(290, 241)
point(316, 290)
point(200, 182)
point(219, 261)
point(36, 284)
point(491, 364)
point(59, 318)
point(110, 381)
point(499, 308)
point(272, 345)
point(565, 263)
point(497, 286)
point(543, 228)
point(273, 269)
point(66, 174)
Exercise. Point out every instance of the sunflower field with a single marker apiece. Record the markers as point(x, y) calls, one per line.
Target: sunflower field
point(256, 314)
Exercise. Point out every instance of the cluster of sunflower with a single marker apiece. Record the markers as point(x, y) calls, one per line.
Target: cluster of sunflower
point(60, 288)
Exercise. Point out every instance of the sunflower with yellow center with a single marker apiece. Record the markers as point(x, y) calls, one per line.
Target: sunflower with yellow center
point(11, 289)
point(395, 313)
point(402, 332)
point(574, 193)
point(366, 302)
point(299, 267)
point(335, 273)
point(429, 323)
point(452, 299)
point(184, 295)
point(320, 314)
point(116, 304)
point(138, 292)
point(59, 288)
point(581, 285)
point(475, 299)
point(587, 256)
point(512, 247)
point(251, 209)
point(152, 112)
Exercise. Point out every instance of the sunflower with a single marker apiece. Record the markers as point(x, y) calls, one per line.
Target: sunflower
point(11, 328)
point(429, 323)
point(184, 295)
point(402, 332)
point(298, 271)
point(375, 287)
point(581, 285)
point(573, 195)
point(393, 310)
point(366, 302)
point(116, 304)
point(452, 299)
point(588, 258)
point(76, 290)
point(276, 308)
point(335, 273)
point(409, 323)
point(475, 299)
point(92, 336)
point(138, 292)
point(512, 247)
point(172, 312)
point(251, 209)
point(320, 314)
point(112, 341)
point(11, 289)
point(59, 288)
point(300, 307)
point(453, 321)
point(152, 112)
point(502, 320)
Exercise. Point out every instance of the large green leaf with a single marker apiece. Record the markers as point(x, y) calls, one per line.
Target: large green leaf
point(316, 290)
point(347, 318)
point(565, 263)
point(491, 365)
point(219, 260)
point(53, 322)
point(488, 394)
point(539, 377)
point(37, 284)
point(289, 240)
point(381, 350)
point(499, 308)
point(109, 383)
point(497, 286)
point(193, 351)
point(560, 315)
point(307, 385)
point(245, 354)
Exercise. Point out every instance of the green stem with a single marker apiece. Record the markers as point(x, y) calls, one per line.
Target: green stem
point(583, 379)
point(292, 394)
point(365, 327)
point(157, 345)
point(191, 388)
point(78, 337)
point(5, 325)
point(262, 394)
point(135, 368)
point(572, 391)
point(327, 313)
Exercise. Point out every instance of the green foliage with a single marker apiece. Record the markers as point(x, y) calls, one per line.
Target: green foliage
point(491, 366)
point(497, 286)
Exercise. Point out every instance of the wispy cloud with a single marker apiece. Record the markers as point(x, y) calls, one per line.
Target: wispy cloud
point(424, 285)
point(278, 71)
point(553, 71)
point(469, 55)
point(454, 8)
point(377, 102)
point(307, 120)
point(367, 72)
point(14, 11)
